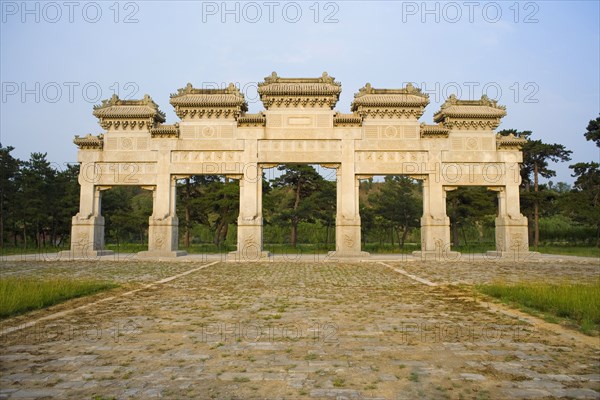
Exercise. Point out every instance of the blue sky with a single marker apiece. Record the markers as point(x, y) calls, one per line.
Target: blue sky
point(541, 59)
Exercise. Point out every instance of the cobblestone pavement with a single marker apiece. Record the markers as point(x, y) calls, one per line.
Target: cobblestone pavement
point(294, 330)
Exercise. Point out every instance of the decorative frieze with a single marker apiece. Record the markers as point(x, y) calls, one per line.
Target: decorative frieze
point(206, 131)
point(205, 156)
point(299, 145)
point(390, 156)
point(391, 132)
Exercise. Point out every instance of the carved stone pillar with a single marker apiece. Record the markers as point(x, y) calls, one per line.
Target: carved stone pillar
point(435, 224)
point(512, 239)
point(87, 229)
point(250, 219)
point(163, 224)
point(347, 220)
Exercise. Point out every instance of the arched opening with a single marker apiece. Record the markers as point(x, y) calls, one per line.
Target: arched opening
point(207, 209)
point(472, 211)
point(126, 210)
point(299, 209)
point(391, 207)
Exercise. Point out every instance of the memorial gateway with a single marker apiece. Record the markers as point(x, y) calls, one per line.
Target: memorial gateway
point(381, 136)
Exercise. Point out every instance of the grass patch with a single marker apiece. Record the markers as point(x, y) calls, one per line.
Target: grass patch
point(19, 295)
point(581, 251)
point(578, 304)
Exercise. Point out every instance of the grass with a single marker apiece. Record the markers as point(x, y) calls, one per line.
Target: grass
point(576, 304)
point(19, 295)
point(582, 251)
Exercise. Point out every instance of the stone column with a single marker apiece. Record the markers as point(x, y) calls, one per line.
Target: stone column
point(250, 219)
point(435, 224)
point(512, 239)
point(87, 227)
point(347, 219)
point(163, 229)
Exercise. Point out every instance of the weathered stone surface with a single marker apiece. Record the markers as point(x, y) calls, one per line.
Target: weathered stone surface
point(184, 337)
point(382, 136)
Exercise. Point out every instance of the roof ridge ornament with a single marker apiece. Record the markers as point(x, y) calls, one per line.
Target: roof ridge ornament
point(408, 89)
point(280, 92)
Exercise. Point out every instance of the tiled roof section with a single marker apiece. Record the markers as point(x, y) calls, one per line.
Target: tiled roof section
point(115, 108)
point(252, 120)
point(347, 120)
point(475, 109)
point(434, 131)
point(408, 96)
point(165, 131)
point(292, 92)
point(209, 98)
point(509, 142)
point(89, 142)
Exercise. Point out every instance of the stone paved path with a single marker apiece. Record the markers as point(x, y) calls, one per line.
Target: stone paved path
point(294, 330)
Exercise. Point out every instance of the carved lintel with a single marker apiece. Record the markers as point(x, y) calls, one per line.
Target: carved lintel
point(150, 187)
point(450, 188)
point(496, 188)
point(178, 177)
point(362, 177)
point(103, 188)
point(418, 177)
point(268, 166)
point(235, 176)
point(330, 166)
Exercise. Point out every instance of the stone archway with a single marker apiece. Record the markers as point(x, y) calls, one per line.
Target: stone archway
point(381, 136)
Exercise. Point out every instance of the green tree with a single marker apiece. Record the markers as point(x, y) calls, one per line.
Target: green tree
point(324, 201)
point(468, 206)
point(65, 203)
point(193, 203)
point(225, 202)
point(300, 182)
point(593, 131)
point(126, 210)
point(583, 203)
point(36, 194)
point(397, 202)
point(536, 156)
point(9, 172)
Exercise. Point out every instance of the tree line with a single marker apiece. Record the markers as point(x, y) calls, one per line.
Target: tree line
point(38, 199)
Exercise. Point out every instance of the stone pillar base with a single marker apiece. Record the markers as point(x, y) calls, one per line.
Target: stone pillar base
point(346, 254)
point(347, 239)
point(513, 256)
point(512, 241)
point(248, 255)
point(436, 255)
point(161, 254)
point(249, 242)
point(87, 238)
point(435, 236)
point(162, 237)
point(83, 254)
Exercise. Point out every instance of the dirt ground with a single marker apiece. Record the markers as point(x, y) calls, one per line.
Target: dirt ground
point(329, 330)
